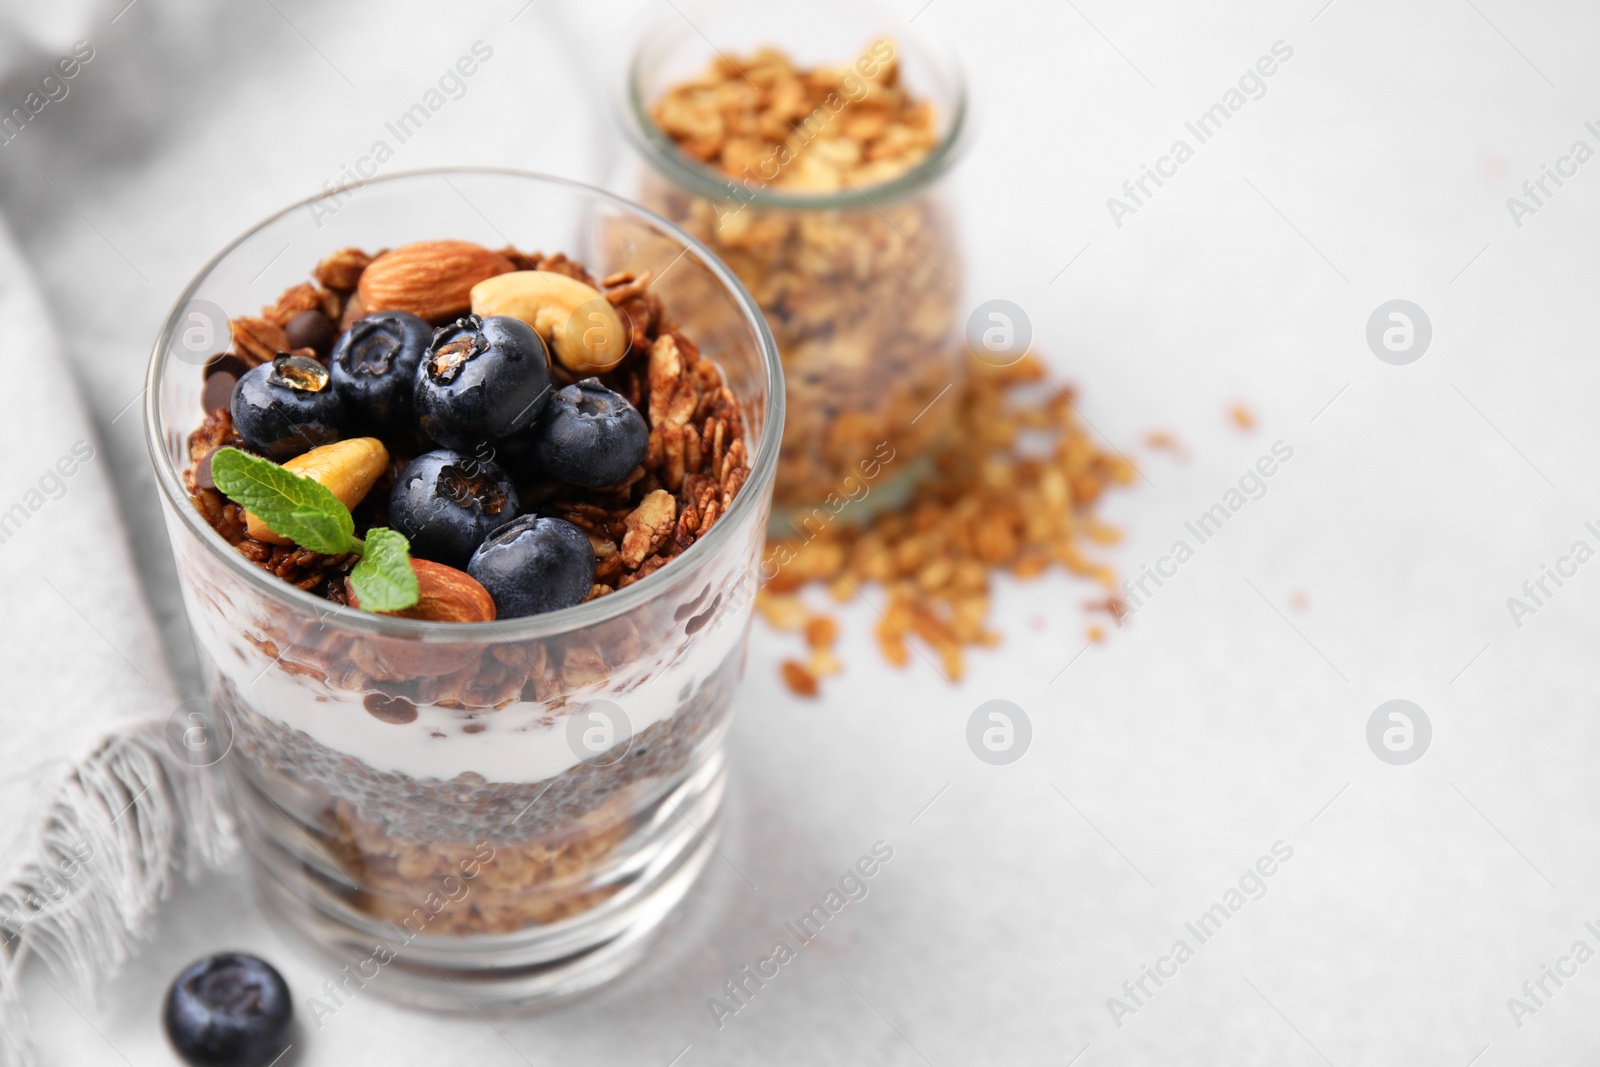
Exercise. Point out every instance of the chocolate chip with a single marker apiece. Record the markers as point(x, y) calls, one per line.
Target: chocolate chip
point(221, 373)
point(312, 329)
point(397, 710)
point(202, 474)
point(474, 728)
point(217, 392)
point(228, 363)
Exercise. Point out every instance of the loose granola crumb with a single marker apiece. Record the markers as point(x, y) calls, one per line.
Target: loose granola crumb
point(824, 664)
point(648, 526)
point(798, 677)
point(303, 297)
point(821, 632)
point(257, 340)
point(782, 612)
point(893, 644)
point(341, 271)
point(1162, 441)
point(1242, 417)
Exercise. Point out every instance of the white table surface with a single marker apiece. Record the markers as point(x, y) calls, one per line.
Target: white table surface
point(1223, 719)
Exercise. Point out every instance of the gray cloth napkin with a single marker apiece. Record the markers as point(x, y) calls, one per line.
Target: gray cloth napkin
point(99, 813)
point(103, 811)
point(102, 814)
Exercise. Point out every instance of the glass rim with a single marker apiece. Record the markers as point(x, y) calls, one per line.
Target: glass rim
point(763, 465)
point(662, 153)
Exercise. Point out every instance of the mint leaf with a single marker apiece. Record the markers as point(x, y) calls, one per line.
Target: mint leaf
point(320, 532)
point(301, 509)
point(384, 580)
point(307, 513)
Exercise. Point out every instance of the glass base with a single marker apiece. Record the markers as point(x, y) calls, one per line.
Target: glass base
point(307, 898)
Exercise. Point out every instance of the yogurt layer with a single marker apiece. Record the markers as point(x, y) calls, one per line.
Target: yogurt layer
point(522, 742)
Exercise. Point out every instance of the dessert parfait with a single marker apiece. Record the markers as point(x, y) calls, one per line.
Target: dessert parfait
point(446, 438)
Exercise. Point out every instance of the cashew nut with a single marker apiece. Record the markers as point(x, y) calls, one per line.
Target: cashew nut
point(579, 324)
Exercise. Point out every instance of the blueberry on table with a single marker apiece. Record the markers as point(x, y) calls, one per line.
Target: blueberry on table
point(590, 436)
point(286, 407)
point(375, 366)
point(534, 565)
point(483, 379)
point(228, 1010)
point(446, 503)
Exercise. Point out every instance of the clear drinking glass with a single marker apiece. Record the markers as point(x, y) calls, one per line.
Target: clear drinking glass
point(861, 285)
point(501, 811)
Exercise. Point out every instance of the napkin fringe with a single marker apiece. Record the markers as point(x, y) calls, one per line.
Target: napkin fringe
point(124, 827)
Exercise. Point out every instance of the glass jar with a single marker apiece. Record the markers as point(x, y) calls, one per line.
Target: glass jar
point(859, 274)
point(501, 812)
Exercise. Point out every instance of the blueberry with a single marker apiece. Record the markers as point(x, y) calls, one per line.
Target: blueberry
point(446, 503)
point(534, 565)
point(590, 436)
point(482, 380)
point(286, 407)
point(228, 1010)
point(519, 457)
point(375, 367)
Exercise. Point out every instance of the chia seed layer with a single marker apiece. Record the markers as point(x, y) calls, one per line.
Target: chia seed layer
point(467, 808)
point(400, 839)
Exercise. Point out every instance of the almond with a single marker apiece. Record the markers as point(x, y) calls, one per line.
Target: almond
point(349, 469)
point(431, 279)
point(447, 595)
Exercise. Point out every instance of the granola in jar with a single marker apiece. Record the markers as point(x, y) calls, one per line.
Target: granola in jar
point(819, 186)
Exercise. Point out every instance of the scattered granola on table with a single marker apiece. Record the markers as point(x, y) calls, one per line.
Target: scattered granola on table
point(861, 293)
point(1016, 495)
point(1163, 441)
